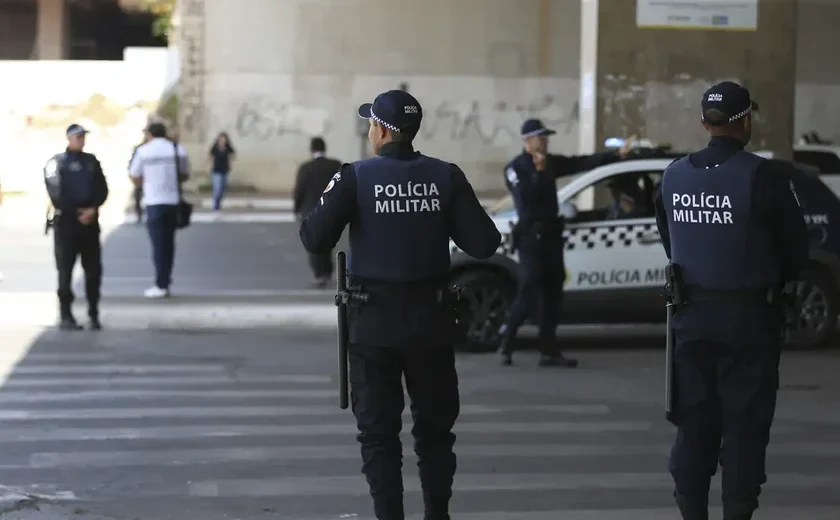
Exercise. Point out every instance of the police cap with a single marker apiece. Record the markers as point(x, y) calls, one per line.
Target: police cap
point(396, 110)
point(726, 102)
point(533, 127)
point(75, 129)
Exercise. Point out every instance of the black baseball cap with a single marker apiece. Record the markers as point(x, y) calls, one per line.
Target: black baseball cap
point(533, 127)
point(396, 110)
point(75, 129)
point(726, 102)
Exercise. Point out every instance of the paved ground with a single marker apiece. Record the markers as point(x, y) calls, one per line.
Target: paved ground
point(244, 424)
point(191, 409)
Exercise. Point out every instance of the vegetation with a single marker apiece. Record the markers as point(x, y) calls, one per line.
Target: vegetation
point(163, 11)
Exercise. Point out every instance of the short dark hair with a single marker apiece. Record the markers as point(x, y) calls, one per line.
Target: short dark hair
point(317, 144)
point(157, 130)
point(406, 136)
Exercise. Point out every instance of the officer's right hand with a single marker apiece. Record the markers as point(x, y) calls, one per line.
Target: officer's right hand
point(539, 160)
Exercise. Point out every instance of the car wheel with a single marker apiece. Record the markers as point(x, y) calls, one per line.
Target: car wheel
point(817, 302)
point(489, 296)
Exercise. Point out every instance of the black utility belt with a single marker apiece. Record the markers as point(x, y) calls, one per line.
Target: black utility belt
point(695, 294)
point(400, 295)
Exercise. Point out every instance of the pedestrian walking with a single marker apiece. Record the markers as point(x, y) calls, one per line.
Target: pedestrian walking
point(312, 177)
point(222, 154)
point(733, 231)
point(77, 188)
point(159, 167)
point(402, 208)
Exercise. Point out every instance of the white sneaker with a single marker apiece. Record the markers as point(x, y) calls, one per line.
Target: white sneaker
point(156, 292)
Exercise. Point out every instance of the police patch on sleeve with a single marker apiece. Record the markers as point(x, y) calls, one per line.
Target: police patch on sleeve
point(795, 196)
point(335, 178)
point(51, 169)
point(512, 177)
point(331, 185)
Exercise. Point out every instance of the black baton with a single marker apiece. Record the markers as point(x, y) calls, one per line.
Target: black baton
point(669, 360)
point(341, 298)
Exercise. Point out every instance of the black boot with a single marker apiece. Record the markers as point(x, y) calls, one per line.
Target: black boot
point(505, 352)
point(93, 315)
point(692, 509)
point(95, 324)
point(66, 320)
point(550, 356)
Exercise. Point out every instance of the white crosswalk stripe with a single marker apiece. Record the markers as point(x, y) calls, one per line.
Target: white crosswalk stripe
point(73, 423)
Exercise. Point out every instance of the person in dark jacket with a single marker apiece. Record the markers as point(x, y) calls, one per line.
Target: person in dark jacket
point(222, 154)
point(77, 188)
point(402, 207)
point(731, 223)
point(531, 179)
point(312, 177)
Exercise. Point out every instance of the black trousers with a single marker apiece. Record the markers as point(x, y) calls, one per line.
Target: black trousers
point(725, 403)
point(377, 399)
point(322, 265)
point(77, 241)
point(541, 277)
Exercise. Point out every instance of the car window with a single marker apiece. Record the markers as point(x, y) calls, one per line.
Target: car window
point(624, 196)
point(506, 203)
point(827, 162)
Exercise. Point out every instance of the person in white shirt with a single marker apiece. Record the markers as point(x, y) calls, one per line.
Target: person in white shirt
point(153, 168)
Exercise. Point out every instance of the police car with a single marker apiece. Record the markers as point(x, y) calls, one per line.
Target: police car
point(615, 269)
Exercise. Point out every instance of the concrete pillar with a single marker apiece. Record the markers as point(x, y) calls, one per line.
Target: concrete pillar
point(649, 80)
point(53, 30)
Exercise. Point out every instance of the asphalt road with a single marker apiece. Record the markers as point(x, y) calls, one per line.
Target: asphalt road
point(245, 425)
point(212, 259)
point(193, 408)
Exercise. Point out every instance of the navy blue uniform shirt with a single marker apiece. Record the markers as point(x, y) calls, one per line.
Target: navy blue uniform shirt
point(774, 208)
point(463, 219)
point(75, 180)
point(772, 200)
point(535, 193)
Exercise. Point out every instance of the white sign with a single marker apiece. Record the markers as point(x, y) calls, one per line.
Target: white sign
point(727, 15)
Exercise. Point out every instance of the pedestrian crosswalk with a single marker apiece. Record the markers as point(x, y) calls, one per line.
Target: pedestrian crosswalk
point(109, 428)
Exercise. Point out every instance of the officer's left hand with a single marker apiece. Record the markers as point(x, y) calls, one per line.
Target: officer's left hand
point(86, 215)
point(628, 145)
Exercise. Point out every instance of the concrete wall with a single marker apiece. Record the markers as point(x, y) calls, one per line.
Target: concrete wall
point(275, 73)
point(479, 67)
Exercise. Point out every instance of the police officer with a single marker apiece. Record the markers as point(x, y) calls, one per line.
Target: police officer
point(730, 221)
point(77, 188)
point(402, 208)
point(530, 178)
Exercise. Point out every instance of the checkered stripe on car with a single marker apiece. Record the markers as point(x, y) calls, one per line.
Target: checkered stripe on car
point(609, 236)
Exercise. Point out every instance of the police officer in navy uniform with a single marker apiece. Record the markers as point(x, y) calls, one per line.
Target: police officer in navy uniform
point(77, 188)
point(530, 178)
point(402, 208)
point(731, 222)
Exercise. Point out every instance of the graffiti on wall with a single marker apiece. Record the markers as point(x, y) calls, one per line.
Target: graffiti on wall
point(483, 122)
point(496, 122)
point(263, 120)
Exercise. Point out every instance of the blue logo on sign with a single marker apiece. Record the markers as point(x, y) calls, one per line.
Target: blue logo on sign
point(720, 20)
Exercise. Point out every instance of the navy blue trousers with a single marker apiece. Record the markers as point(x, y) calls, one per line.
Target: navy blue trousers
point(162, 223)
point(724, 407)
